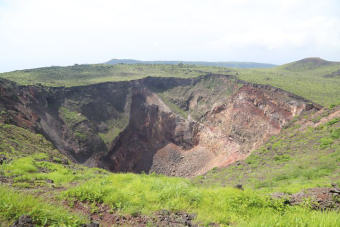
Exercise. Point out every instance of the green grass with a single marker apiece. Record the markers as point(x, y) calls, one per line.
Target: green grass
point(305, 78)
point(71, 118)
point(34, 168)
point(34, 162)
point(30, 172)
point(308, 83)
point(13, 204)
point(114, 128)
point(131, 193)
point(91, 74)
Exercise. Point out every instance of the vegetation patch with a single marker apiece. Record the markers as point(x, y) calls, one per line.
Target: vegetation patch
point(40, 169)
point(14, 204)
point(70, 118)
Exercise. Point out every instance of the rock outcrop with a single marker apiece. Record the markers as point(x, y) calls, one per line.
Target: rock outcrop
point(173, 126)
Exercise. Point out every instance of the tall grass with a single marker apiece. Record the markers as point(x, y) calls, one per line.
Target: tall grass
point(14, 204)
point(130, 193)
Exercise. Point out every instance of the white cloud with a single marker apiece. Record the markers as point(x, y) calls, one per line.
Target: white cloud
point(61, 32)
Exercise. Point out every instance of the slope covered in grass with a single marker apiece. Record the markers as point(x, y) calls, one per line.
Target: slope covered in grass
point(307, 78)
point(38, 181)
point(91, 74)
point(306, 154)
point(15, 204)
point(312, 78)
point(202, 63)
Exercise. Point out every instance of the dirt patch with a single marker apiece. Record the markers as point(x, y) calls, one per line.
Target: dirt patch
point(24, 221)
point(104, 216)
point(316, 198)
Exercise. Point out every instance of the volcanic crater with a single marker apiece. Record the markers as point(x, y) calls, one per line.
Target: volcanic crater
point(171, 126)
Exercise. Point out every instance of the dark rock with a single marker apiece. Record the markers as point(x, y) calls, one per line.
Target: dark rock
point(239, 186)
point(321, 198)
point(2, 159)
point(334, 185)
point(24, 221)
point(335, 190)
point(92, 224)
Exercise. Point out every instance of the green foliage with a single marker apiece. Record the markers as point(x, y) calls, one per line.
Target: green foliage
point(333, 121)
point(34, 162)
point(130, 193)
point(114, 128)
point(335, 133)
point(16, 141)
point(326, 141)
point(282, 158)
point(33, 172)
point(306, 79)
point(90, 74)
point(297, 217)
point(134, 194)
point(14, 204)
point(306, 82)
point(71, 118)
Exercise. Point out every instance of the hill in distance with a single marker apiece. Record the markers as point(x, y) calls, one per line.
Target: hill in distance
point(312, 78)
point(308, 64)
point(231, 64)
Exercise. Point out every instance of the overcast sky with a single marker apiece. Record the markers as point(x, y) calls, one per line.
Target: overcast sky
point(36, 33)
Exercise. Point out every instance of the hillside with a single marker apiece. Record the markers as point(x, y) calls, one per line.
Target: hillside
point(319, 84)
point(199, 63)
point(314, 79)
point(308, 64)
point(170, 145)
point(305, 154)
point(50, 190)
point(78, 75)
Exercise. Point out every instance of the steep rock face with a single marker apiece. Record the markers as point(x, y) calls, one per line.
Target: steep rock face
point(152, 125)
point(69, 117)
point(253, 114)
point(223, 135)
point(173, 126)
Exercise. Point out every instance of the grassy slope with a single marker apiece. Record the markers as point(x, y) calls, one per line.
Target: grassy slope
point(300, 78)
point(90, 74)
point(300, 157)
point(305, 77)
point(34, 168)
point(202, 63)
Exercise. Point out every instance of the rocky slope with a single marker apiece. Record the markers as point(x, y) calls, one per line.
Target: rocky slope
point(181, 127)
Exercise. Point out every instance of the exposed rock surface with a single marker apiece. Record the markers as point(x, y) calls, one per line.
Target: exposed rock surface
point(24, 221)
point(317, 198)
point(106, 217)
point(173, 126)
